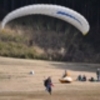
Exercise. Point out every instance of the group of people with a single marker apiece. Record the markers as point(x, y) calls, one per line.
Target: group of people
point(48, 81)
point(84, 78)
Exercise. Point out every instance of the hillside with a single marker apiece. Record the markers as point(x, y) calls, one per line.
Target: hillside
point(42, 37)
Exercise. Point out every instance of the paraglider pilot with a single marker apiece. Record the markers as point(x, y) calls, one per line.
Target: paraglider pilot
point(48, 84)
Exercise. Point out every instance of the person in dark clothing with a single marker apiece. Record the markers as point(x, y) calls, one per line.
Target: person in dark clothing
point(98, 74)
point(84, 78)
point(80, 78)
point(92, 79)
point(64, 75)
point(48, 84)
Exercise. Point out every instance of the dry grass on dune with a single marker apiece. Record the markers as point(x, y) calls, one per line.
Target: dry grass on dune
point(17, 84)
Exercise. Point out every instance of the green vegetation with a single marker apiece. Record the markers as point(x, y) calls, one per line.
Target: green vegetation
point(14, 45)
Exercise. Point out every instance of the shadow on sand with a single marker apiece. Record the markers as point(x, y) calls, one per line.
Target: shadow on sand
point(77, 66)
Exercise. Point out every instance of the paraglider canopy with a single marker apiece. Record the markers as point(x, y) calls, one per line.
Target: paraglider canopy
point(66, 79)
point(60, 12)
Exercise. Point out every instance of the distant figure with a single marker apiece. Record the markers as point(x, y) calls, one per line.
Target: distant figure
point(91, 79)
point(48, 84)
point(84, 78)
point(98, 74)
point(65, 74)
point(80, 78)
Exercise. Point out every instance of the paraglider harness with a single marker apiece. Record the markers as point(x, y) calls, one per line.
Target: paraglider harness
point(45, 82)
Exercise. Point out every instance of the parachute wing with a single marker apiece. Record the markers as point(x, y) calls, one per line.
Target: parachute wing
point(60, 12)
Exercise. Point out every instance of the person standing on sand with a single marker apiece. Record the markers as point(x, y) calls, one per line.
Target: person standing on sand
point(98, 74)
point(48, 84)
